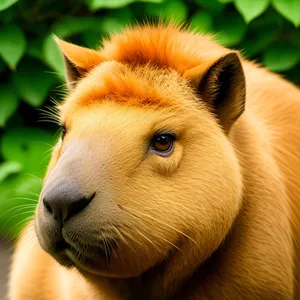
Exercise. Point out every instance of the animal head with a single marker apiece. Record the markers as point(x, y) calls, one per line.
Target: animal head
point(144, 169)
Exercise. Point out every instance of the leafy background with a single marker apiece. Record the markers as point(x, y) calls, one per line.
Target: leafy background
point(31, 68)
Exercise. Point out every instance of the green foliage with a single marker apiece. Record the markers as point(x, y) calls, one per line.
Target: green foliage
point(31, 67)
point(251, 9)
point(9, 167)
point(202, 22)
point(27, 146)
point(279, 57)
point(211, 7)
point(52, 55)
point(12, 44)
point(111, 4)
point(230, 28)
point(174, 10)
point(290, 9)
point(31, 81)
point(9, 104)
point(4, 4)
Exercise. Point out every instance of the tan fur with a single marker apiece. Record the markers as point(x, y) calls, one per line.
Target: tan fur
point(218, 219)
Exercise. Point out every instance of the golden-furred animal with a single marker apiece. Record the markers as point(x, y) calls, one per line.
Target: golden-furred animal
point(176, 177)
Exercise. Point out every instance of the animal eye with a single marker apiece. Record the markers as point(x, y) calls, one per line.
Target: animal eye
point(63, 131)
point(163, 144)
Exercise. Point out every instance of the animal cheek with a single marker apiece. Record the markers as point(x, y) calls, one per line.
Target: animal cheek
point(166, 166)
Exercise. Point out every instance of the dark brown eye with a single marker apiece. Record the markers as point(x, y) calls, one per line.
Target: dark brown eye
point(163, 144)
point(63, 131)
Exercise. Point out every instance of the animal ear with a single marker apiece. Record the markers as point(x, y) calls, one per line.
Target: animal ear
point(222, 87)
point(78, 61)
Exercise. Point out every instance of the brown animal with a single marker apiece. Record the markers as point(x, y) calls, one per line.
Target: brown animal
point(176, 177)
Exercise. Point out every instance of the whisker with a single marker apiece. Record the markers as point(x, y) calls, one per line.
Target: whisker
point(158, 236)
point(111, 248)
point(123, 239)
point(55, 101)
point(151, 242)
point(34, 194)
point(130, 237)
point(64, 85)
point(31, 240)
point(20, 214)
point(24, 198)
point(47, 121)
point(119, 234)
point(26, 221)
point(116, 241)
point(104, 242)
point(34, 176)
point(162, 223)
point(18, 208)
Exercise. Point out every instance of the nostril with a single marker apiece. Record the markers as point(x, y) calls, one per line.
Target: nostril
point(47, 205)
point(63, 206)
point(78, 206)
point(89, 199)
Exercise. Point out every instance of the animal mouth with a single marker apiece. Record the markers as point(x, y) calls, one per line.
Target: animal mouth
point(83, 254)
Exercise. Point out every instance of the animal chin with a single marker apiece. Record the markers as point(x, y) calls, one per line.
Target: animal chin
point(59, 253)
point(83, 255)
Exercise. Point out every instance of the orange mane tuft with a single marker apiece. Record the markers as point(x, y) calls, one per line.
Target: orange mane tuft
point(142, 66)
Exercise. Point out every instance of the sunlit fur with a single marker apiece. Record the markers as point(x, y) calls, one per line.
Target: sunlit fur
point(215, 220)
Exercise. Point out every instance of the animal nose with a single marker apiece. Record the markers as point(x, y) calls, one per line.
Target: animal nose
point(65, 201)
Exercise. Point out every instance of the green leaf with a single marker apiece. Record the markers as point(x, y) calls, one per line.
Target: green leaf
point(262, 31)
point(254, 45)
point(294, 37)
point(269, 19)
point(251, 9)
point(4, 4)
point(2, 66)
point(53, 56)
point(225, 1)
point(34, 48)
point(212, 6)
point(94, 5)
point(91, 39)
point(175, 10)
point(116, 20)
point(74, 25)
point(12, 44)
point(32, 82)
point(290, 9)
point(37, 28)
point(8, 16)
point(16, 120)
point(171, 10)
point(18, 199)
point(29, 147)
point(9, 167)
point(281, 57)
point(124, 15)
point(230, 28)
point(111, 25)
point(202, 22)
point(8, 103)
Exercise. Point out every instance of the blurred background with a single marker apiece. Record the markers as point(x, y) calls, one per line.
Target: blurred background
point(31, 72)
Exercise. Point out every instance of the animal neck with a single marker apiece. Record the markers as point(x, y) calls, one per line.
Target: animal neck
point(160, 282)
point(176, 278)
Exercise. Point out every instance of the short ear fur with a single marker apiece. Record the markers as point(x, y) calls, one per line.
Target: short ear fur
point(78, 60)
point(222, 87)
